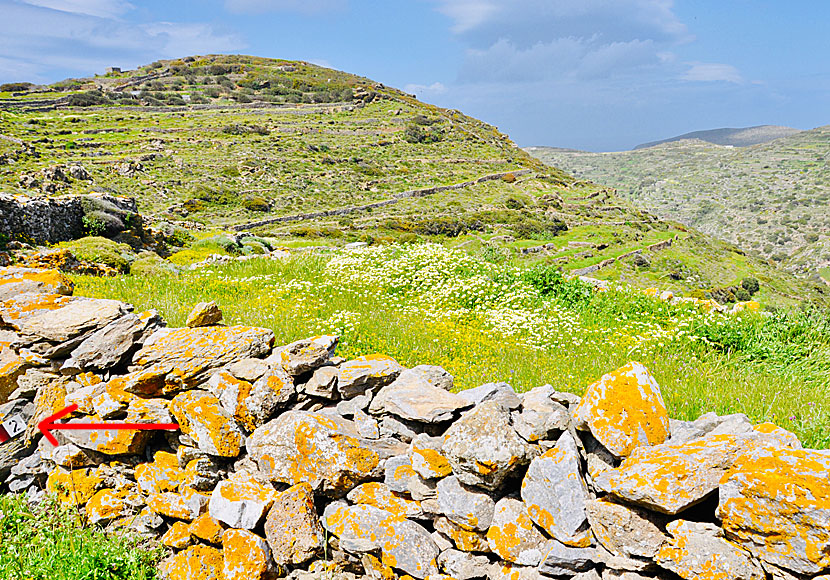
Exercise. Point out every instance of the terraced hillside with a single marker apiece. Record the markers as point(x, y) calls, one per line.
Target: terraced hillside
point(316, 157)
point(772, 199)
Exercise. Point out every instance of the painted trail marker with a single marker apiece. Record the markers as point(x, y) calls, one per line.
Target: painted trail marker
point(48, 425)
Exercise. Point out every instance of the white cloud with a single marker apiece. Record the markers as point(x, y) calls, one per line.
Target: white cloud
point(99, 8)
point(435, 88)
point(468, 14)
point(302, 6)
point(712, 72)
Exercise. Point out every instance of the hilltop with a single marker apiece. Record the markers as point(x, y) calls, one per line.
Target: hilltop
point(770, 199)
point(741, 137)
point(309, 156)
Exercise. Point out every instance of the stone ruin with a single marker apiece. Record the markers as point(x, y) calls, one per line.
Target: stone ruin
point(291, 461)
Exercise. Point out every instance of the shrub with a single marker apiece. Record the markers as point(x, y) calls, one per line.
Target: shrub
point(224, 242)
point(256, 203)
point(742, 295)
point(750, 284)
point(417, 134)
point(531, 228)
point(101, 250)
point(87, 99)
point(549, 281)
point(240, 129)
point(152, 265)
point(514, 202)
point(15, 87)
point(508, 178)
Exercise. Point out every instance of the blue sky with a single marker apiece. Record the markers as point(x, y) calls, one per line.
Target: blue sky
point(589, 74)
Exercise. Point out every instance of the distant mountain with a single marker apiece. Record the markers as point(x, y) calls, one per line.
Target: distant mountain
point(770, 198)
point(743, 137)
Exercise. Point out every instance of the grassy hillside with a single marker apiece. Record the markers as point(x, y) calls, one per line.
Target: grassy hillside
point(743, 137)
point(771, 199)
point(218, 143)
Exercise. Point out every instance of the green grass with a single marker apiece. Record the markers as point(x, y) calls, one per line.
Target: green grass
point(49, 542)
point(484, 322)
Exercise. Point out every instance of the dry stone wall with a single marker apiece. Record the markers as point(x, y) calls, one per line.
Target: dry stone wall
point(291, 461)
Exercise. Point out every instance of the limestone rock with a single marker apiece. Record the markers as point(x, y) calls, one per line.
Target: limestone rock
point(201, 416)
point(555, 494)
point(775, 502)
point(562, 560)
point(323, 383)
point(107, 441)
point(540, 416)
point(177, 537)
point(404, 544)
point(624, 410)
point(513, 536)
point(198, 562)
point(708, 424)
point(12, 367)
point(207, 528)
point(74, 318)
point(204, 314)
point(187, 505)
point(426, 457)
point(366, 373)
point(380, 496)
point(698, 550)
point(468, 508)
point(500, 392)
point(463, 565)
point(292, 528)
point(398, 474)
point(324, 451)
point(464, 540)
point(306, 355)
point(15, 280)
point(246, 556)
point(670, 478)
point(412, 397)
point(511, 571)
point(110, 504)
point(625, 530)
point(160, 476)
point(248, 369)
point(75, 487)
point(252, 404)
point(434, 375)
point(193, 353)
point(482, 447)
point(241, 503)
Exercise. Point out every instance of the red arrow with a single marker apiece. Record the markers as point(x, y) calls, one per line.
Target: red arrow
point(48, 424)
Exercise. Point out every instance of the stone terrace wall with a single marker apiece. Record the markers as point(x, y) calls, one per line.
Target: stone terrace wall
point(291, 461)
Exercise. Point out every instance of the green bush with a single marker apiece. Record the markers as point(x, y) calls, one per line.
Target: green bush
point(87, 99)
point(417, 134)
point(750, 284)
point(101, 250)
point(224, 242)
point(532, 228)
point(549, 281)
point(742, 295)
point(256, 203)
point(152, 265)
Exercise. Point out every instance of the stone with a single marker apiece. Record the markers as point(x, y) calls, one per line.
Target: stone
point(466, 507)
point(426, 458)
point(392, 427)
point(109, 504)
point(482, 446)
point(106, 406)
point(442, 541)
point(148, 411)
point(192, 353)
point(177, 537)
point(12, 367)
point(324, 451)
point(246, 556)
point(204, 314)
point(30, 382)
point(380, 496)
point(252, 404)
point(292, 527)
point(367, 426)
point(241, 502)
point(377, 570)
point(248, 369)
point(626, 530)
point(75, 487)
point(70, 456)
point(15, 280)
point(305, 355)
point(323, 383)
point(197, 562)
point(398, 473)
point(775, 502)
point(146, 523)
point(207, 528)
point(540, 416)
point(562, 560)
point(351, 406)
point(74, 318)
point(366, 373)
point(109, 346)
point(463, 565)
point(106, 441)
point(434, 375)
point(160, 476)
point(511, 571)
point(411, 397)
point(670, 478)
point(404, 544)
point(555, 494)
point(500, 392)
point(187, 505)
point(512, 535)
point(201, 416)
point(624, 410)
point(464, 540)
point(698, 550)
point(708, 424)
point(202, 474)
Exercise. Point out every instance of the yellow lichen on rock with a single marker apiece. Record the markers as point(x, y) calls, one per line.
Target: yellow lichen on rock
point(162, 475)
point(246, 556)
point(177, 537)
point(207, 528)
point(110, 504)
point(198, 562)
point(74, 487)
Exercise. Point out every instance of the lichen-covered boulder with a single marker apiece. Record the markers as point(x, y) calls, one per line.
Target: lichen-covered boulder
point(624, 410)
point(403, 544)
point(366, 373)
point(204, 314)
point(469, 508)
point(207, 528)
point(192, 353)
point(12, 366)
point(482, 446)
point(555, 494)
point(15, 280)
point(464, 540)
point(426, 457)
point(323, 383)
point(200, 415)
point(625, 530)
point(292, 527)
point(241, 502)
point(670, 478)
point(499, 392)
point(775, 502)
point(198, 562)
point(380, 496)
point(252, 404)
point(187, 505)
point(412, 397)
point(463, 565)
point(513, 536)
point(107, 441)
point(323, 451)
point(177, 537)
point(540, 416)
point(699, 550)
point(561, 560)
point(305, 355)
point(73, 318)
point(246, 556)
point(74, 487)
point(110, 504)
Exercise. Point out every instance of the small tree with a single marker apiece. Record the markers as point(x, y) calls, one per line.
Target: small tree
point(751, 285)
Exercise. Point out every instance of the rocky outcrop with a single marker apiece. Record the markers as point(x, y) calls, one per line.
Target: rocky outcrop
point(288, 461)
